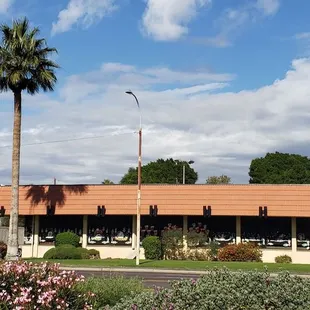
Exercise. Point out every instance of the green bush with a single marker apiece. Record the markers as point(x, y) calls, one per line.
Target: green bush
point(67, 238)
point(242, 252)
point(213, 251)
point(83, 252)
point(64, 251)
point(152, 247)
point(172, 244)
point(195, 239)
point(3, 249)
point(226, 290)
point(283, 259)
point(110, 289)
point(93, 254)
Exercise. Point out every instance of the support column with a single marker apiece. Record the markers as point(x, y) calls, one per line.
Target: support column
point(134, 232)
point(85, 228)
point(294, 234)
point(36, 237)
point(238, 229)
point(185, 230)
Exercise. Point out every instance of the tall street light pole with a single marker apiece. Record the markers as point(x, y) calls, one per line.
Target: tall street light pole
point(139, 182)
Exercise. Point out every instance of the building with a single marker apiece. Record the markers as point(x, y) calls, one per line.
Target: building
point(277, 217)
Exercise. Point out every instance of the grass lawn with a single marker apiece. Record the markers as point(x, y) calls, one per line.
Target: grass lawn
point(183, 265)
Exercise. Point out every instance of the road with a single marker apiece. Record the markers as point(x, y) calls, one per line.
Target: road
point(150, 279)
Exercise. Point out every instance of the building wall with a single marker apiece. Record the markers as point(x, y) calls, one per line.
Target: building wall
point(243, 200)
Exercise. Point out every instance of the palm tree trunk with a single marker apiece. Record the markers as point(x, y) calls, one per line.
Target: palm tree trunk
point(12, 249)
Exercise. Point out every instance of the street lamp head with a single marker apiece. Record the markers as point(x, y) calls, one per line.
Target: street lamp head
point(129, 92)
point(191, 162)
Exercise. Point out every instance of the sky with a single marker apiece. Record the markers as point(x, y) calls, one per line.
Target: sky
point(219, 82)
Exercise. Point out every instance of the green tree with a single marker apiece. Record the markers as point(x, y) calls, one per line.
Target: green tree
point(280, 168)
point(24, 66)
point(107, 182)
point(222, 179)
point(162, 171)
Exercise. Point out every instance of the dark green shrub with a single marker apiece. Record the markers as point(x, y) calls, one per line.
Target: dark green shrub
point(65, 251)
point(83, 252)
point(213, 251)
point(67, 238)
point(172, 244)
point(94, 254)
point(152, 247)
point(223, 289)
point(242, 252)
point(109, 290)
point(283, 259)
point(3, 249)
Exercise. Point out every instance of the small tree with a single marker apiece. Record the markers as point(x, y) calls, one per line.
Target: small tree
point(223, 179)
point(107, 182)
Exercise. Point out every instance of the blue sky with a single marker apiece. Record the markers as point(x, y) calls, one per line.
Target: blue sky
point(219, 81)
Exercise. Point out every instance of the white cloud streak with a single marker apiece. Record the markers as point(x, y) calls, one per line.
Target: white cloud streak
point(5, 5)
point(82, 12)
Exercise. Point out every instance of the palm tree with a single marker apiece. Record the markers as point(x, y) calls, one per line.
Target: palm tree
point(24, 66)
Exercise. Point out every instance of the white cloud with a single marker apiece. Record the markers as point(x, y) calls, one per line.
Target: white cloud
point(5, 5)
point(84, 12)
point(269, 7)
point(189, 118)
point(168, 20)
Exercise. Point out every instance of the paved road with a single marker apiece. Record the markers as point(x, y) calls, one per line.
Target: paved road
point(150, 279)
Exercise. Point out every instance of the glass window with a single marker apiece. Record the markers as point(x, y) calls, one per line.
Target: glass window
point(273, 232)
point(50, 226)
point(110, 229)
point(303, 233)
point(28, 232)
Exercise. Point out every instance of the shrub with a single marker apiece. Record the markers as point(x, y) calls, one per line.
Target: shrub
point(64, 251)
point(67, 238)
point(83, 253)
point(201, 254)
point(223, 289)
point(242, 252)
point(283, 259)
point(195, 239)
point(213, 251)
point(172, 243)
point(31, 286)
point(3, 249)
point(93, 254)
point(152, 247)
point(111, 289)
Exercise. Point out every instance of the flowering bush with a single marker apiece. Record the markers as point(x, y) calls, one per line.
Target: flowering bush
point(226, 290)
point(242, 252)
point(27, 286)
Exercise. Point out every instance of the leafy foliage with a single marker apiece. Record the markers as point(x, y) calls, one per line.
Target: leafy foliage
point(67, 238)
point(283, 259)
point(280, 168)
point(152, 247)
point(24, 60)
point(222, 179)
point(3, 248)
point(31, 286)
point(68, 251)
point(162, 171)
point(225, 290)
point(107, 182)
point(111, 289)
point(195, 239)
point(172, 243)
point(241, 252)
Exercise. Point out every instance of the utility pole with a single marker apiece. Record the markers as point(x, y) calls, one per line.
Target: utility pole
point(139, 182)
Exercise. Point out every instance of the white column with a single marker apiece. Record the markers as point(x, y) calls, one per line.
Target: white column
point(134, 233)
point(85, 228)
point(185, 230)
point(294, 233)
point(238, 229)
point(36, 236)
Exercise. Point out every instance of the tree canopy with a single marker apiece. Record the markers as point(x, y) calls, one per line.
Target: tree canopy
point(162, 171)
point(222, 179)
point(280, 168)
point(107, 182)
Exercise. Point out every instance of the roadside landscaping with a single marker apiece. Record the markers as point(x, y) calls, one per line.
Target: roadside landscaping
point(179, 264)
